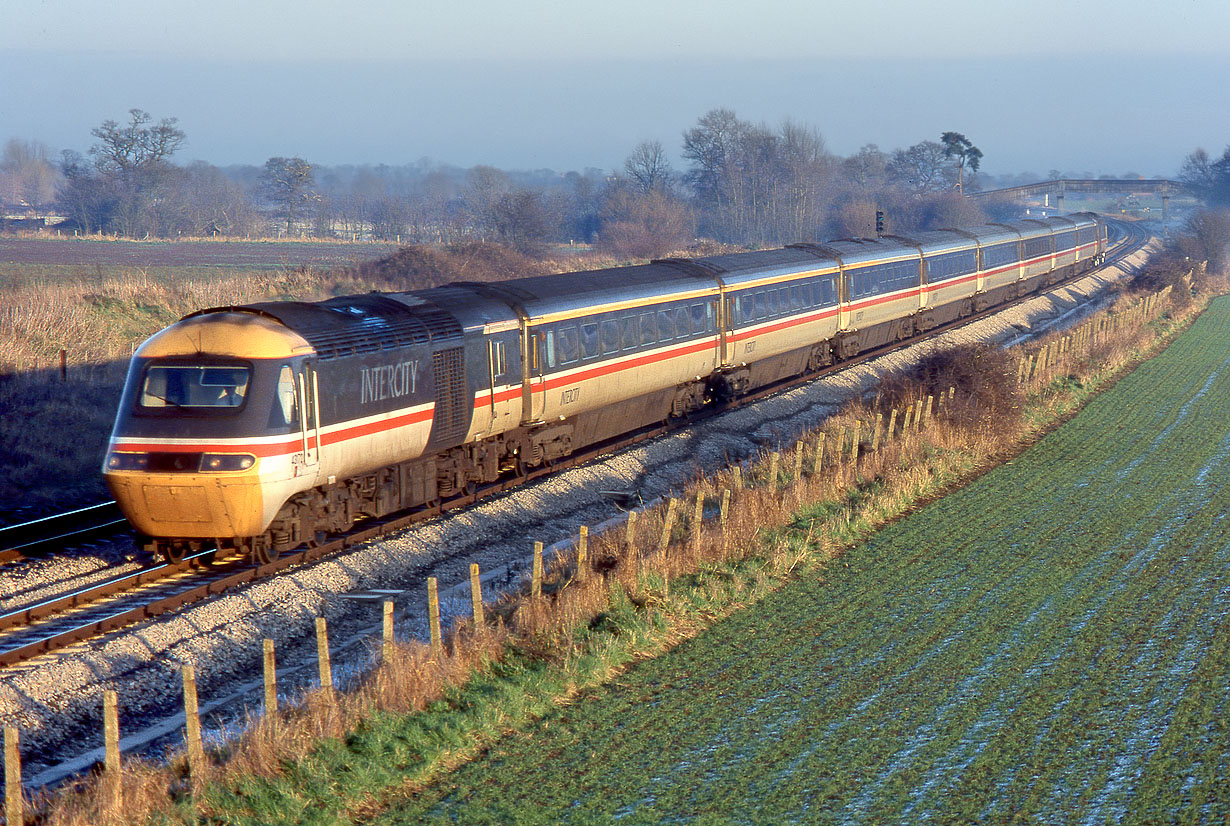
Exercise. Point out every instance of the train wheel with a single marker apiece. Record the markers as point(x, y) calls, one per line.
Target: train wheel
point(172, 552)
point(258, 549)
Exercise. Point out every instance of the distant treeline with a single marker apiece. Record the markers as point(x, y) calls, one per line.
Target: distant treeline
point(743, 183)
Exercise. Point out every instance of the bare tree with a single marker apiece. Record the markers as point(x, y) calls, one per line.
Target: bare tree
point(133, 160)
point(921, 168)
point(648, 167)
point(289, 183)
point(28, 177)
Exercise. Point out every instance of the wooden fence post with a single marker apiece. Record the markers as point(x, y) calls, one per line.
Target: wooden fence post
point(818, 463)
point(634, 555)
point(386, 631)
point(892, 424)
point(536, 571)
point(433, 619)
point(583, 553)
point(775, 459)
point(698, 518)
point(858, 437)
point(875, 436)
point(798, 461)
point(192, 725)
point(271, 680)
point(724, 514)
point(668, 523)
point(14, 799)
point(927, 410)
point(476, 597)
point(737, 478)
point(324, 663)
point(113, 790)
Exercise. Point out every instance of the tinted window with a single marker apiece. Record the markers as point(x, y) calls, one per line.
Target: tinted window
point(700, 321)
point(628, 335)
point(610, 336)
point(666, 325)
point(589, 340)
point(569, 344)
point(649, 328)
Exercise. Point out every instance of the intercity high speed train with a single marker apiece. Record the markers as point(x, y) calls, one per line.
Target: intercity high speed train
point(258, 428)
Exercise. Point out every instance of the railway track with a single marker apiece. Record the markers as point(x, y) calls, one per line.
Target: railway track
point(42, 626)
point(51, 534)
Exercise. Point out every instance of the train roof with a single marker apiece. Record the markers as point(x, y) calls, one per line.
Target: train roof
point(353, 324)
point(552, 297)
point(933, 242)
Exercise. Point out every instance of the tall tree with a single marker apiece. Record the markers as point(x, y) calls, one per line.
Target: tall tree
point(289, 183)
point(133, 160)
point(648, 167)
point(958, 146)
point(921, 168)
point(28, 177)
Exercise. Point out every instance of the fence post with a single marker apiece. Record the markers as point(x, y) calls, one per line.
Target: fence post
point(433, 618)
point(113, 782)
point(892, 424)
point(724, 515)
point(854, 443)
point(818, 463)
point(668, 522)
point(737, 478)
point(63, 364)
point(192, 721)
point(386, 631)
point(476, 597)
point(698, 518)
point(271, 680)
point(927, 410)
point(875, 436)
point(634, 556)
point(324, 664)
point(536, 571)
point(798, 462)
point(14, 800)
point(583, 553)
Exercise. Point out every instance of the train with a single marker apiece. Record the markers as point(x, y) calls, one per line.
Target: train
point(260, 428)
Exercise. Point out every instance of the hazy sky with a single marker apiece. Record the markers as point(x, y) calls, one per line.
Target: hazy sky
point(1101, 86)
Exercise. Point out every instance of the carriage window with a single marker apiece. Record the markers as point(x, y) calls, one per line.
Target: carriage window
point(700, 322)
point(628, 337)
point(610, 336)
point(796, 298)
point(589, 340)
point(649, 329)
point(569, 345)
point(194, 386)
point(681, 322)
point(666, 325)
point(284, 404)
point(747, 307)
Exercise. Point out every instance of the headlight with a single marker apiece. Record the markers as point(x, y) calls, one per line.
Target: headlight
point(128, 461)
point(227, 461)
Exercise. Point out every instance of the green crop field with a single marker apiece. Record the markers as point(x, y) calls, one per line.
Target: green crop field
point(1050, 644)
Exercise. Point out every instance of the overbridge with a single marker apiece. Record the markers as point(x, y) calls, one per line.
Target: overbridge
point(1111, 186)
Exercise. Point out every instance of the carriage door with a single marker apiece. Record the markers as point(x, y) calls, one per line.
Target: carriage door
point(726, 321)
point(534, 399)
point(497, 377)
point(308, 392)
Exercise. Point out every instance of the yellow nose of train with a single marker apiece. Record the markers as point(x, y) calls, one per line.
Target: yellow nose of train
point(206, 424)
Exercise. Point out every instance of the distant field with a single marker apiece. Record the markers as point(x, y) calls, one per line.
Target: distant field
point(1050, 644)
point(242, 255)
